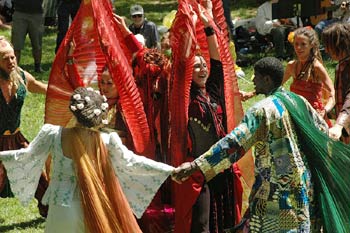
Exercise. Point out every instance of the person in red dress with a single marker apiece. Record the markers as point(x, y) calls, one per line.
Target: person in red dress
point(310, 78)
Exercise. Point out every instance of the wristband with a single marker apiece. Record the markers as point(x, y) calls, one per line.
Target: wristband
point(209, 31)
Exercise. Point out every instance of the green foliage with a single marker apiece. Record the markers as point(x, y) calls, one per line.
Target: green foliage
point(13, 216)
point(243, 9)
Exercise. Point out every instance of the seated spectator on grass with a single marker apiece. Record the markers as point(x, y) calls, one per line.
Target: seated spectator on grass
point(277, 28)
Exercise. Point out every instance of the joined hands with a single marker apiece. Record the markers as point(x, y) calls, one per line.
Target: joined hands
point(184, 171)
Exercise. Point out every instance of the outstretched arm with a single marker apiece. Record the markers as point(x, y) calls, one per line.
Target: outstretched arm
point(205, 14)
point(139, 176)
point(24, 166)
point(34, 85)
point(228, 149)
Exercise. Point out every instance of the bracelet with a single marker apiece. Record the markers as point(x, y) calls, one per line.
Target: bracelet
point(209, 31)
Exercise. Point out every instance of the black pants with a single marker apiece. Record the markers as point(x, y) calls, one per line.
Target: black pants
point(201, 212)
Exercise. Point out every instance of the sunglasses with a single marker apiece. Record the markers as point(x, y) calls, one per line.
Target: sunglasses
point(137, 15)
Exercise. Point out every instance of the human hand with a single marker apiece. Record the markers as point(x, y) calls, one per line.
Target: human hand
point(71, 48)
point(276, 23)
point(246, 95)
point(120, 21)
point(335, 132)
point(184, 171)
point(206, 7)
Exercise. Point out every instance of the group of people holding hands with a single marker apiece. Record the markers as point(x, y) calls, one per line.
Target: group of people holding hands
point(111, 147)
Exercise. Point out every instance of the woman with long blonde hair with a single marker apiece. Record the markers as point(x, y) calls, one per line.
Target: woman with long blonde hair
point(95, 179)
point(14, 85)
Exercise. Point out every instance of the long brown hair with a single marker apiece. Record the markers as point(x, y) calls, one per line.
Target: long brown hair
point(104, 205)
point(336, 38)
point(308, 69)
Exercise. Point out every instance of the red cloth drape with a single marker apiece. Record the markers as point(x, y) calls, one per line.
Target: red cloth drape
point(97, 41)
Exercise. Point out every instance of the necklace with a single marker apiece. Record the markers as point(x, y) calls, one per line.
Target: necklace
point(304, 68)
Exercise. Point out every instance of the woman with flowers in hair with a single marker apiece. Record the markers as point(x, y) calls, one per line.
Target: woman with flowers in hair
point(310, 78)
point(14, 84)
point(95, 179)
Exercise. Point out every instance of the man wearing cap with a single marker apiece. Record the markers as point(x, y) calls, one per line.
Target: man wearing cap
point(144, 27)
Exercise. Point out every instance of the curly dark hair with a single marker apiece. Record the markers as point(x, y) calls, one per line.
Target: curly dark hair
point(88, 106)
point(271, 66)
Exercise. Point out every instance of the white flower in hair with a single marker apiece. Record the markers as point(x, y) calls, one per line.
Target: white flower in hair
point(104, 98)
point(105, 121)
point(80, 106)
point(104, 106)
point(98, 92)
point(73, 108)
point(97, 111)
point(77, 97)
point(90, 89)
point(87, 98)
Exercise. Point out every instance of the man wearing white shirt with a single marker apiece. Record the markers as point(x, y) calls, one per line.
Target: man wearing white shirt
point(266, 25)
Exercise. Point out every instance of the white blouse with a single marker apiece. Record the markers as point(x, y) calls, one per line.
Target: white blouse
point(139, 177)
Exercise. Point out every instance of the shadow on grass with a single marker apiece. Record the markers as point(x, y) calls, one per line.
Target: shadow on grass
point(23, 225)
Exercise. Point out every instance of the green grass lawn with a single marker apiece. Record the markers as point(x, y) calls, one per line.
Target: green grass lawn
point(13, 216)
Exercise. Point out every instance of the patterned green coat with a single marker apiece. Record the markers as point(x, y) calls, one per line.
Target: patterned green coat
point(282, 195)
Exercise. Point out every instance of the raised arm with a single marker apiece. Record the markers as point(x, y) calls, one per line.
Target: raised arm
point(138, 175)
point(205, 13)
point(130, 40)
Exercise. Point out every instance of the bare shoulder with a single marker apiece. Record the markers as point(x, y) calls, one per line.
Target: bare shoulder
point(290, 67)
point(28, 76)
point(318, 65)
point(291, 63)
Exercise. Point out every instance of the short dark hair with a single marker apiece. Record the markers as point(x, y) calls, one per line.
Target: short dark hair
point(270, 66)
